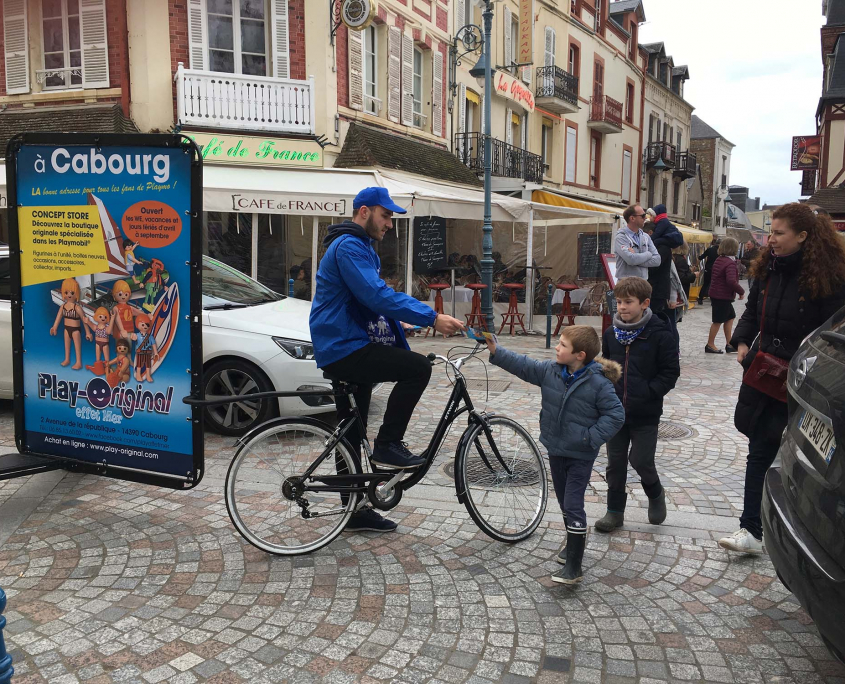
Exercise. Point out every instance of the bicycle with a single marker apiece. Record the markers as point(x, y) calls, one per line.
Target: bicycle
point(293, 483)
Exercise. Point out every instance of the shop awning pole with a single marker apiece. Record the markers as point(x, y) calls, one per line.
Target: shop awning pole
point(529, 271)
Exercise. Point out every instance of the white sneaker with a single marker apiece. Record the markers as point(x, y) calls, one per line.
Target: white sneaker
point(742, 541)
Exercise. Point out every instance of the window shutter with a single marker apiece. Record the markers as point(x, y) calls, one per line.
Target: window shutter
point(509, 126)
point(437, 97)
point(95, 51)
point(626, 176)
point(508, 47)
point(16, 42)
point(196, 34)
point(523, 127)
point(355, 43)
point(549, 59)
point(571, 149)
point(394, 74)
point(280, 42)
point(462, 109)
point(460, 13)
point(407, 80)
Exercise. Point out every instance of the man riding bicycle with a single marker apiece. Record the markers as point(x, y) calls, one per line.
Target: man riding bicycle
point(358, 336)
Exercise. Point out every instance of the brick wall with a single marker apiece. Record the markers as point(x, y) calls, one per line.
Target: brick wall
point(118, 55)
point(705, 153)
point(296, 31)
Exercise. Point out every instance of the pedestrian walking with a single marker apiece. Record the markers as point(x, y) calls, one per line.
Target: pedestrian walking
point(799, 282)
point(645, 346)
point(580, 411)
point(724, 285)
point(634, 249)
point(680, 255)
point(708, 256)
point(749, 254)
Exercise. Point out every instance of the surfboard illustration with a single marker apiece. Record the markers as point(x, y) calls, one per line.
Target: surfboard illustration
point(112, 238)
point(165, 320)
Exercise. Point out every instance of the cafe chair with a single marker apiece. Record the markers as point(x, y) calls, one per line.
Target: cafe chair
point(513, 316)
point(566, 309)
point(476, 319)
point(438, 302)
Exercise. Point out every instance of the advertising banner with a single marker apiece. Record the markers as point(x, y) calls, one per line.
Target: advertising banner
point(806, 150)
point(808, 182)
point(525, 53)
point(106, 238)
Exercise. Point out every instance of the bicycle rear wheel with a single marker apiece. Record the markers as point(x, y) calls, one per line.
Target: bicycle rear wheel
point(261, 495)
point(505, 495)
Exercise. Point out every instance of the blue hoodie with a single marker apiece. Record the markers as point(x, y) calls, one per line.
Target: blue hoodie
point(665, 232)
point(350, 295)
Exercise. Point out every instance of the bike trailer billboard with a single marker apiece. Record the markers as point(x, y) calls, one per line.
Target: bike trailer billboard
point(105, 235)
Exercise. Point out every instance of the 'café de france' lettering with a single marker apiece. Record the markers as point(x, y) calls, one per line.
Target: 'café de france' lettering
point(513, 89)
point(274, 205)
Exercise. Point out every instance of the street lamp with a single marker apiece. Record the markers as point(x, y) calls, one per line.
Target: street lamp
point(468, 39)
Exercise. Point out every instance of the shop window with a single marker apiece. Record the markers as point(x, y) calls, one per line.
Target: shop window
point(237, 36)
point(62, 45)
point(284, 253)
point(227, 237)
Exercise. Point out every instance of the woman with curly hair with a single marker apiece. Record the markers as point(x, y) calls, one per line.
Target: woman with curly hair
point(800, 281)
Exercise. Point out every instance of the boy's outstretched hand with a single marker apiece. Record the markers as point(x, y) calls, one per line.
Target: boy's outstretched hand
point(491, 346)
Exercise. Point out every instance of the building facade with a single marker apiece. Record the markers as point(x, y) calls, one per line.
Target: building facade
point(713, 153)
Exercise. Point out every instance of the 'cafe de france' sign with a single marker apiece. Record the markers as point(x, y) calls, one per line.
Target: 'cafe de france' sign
point(255, 151)
point(513, 89)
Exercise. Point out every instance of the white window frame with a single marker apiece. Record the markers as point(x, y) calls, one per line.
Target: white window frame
point(546, 148)
point(571, 154)
point(372, 103)
point(417, 89)
point(67, 69)
point(627, 171)
point(236, 39)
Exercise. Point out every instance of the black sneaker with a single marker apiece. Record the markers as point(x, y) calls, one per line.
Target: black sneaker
point(395, 456)
point(367, 520)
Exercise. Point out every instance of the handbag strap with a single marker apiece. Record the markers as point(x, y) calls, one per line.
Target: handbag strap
point(763, 314)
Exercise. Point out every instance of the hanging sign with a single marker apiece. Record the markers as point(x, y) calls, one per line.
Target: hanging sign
point(106, 242)
point(357, 14)
point(806, 150)
point(808, 182)
point(513, 89)
point(526, 32)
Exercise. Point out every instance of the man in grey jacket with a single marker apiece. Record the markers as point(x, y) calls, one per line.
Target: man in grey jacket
point(635, 252)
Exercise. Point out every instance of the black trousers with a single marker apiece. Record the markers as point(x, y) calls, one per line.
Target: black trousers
point(762, 449)
point(634, 444)
point(662, 305)
point(571, 477)
point(705, 286)
point(379, 363)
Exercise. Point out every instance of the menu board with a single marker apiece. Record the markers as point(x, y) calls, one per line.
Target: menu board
point(429, 244)
point(589, 257)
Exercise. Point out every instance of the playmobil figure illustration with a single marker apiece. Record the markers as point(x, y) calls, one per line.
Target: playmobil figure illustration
point(122, 313)
point(102, 324)
point(153, 283)
point(121, 363)
point(74, 319)
point(146, 350)
point(135, 265)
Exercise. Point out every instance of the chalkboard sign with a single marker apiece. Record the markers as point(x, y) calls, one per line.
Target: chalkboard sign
point(429, 244)
point(589, 258)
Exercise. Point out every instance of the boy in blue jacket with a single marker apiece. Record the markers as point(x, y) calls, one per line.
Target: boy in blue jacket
point(579, 412)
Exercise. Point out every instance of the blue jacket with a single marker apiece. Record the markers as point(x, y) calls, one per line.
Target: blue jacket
point(575, 420)
point(350, 294)
point(665, 232)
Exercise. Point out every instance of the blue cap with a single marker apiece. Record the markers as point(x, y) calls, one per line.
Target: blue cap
point(376, 197)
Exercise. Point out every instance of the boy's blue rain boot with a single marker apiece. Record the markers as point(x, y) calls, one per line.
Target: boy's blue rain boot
point(571, 573)
point(615, 516)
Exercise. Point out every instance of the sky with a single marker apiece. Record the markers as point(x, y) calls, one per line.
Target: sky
point(755, 76)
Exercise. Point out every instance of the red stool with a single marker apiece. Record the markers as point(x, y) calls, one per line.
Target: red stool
point(512, 317)
point(438, 302)
point(566, 309)
point(476, 318)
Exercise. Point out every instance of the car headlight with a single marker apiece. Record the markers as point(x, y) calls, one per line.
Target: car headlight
point(298, 349)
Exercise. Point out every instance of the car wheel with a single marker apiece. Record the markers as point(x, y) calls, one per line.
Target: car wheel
point(236, 378)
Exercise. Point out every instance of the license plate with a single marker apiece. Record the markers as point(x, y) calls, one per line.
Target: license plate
point(818, 434)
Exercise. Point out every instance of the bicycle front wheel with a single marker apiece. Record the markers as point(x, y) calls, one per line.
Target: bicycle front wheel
point(500, 476)
point(261, 494)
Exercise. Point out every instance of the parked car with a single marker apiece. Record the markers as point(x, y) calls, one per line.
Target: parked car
point(254, 340)
point(804, 498)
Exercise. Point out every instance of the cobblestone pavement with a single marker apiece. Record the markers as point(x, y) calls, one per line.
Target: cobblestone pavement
point(117, 582)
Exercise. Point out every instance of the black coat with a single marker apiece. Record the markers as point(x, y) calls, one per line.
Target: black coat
point(790, 317)
point(684, 271)
point(650, 369)
point(659, 276)
point(709, 256)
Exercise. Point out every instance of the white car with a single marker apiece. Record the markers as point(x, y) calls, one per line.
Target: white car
point(254, 340)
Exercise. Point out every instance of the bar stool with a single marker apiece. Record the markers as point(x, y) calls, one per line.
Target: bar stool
point(566, 309)
point(512, 317)
point(438, 302)
point(475, 317)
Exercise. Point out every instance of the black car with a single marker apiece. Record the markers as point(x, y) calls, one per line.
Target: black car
point(804, 499)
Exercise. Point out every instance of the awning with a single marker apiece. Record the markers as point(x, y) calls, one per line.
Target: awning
point(543, 197)
point(701, 237)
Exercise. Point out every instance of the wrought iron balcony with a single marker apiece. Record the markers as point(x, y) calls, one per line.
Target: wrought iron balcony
point(605, 114)
point(665, 151)
point(237, 102)
point(509, 161)
point(557, 90)
point(686, 166)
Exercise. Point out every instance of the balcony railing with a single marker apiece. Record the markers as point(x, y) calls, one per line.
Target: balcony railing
point(234, 101)
point(661, 150)
point(605, 114)
point(686, 166)
point(508, 161)
point(557, 88)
